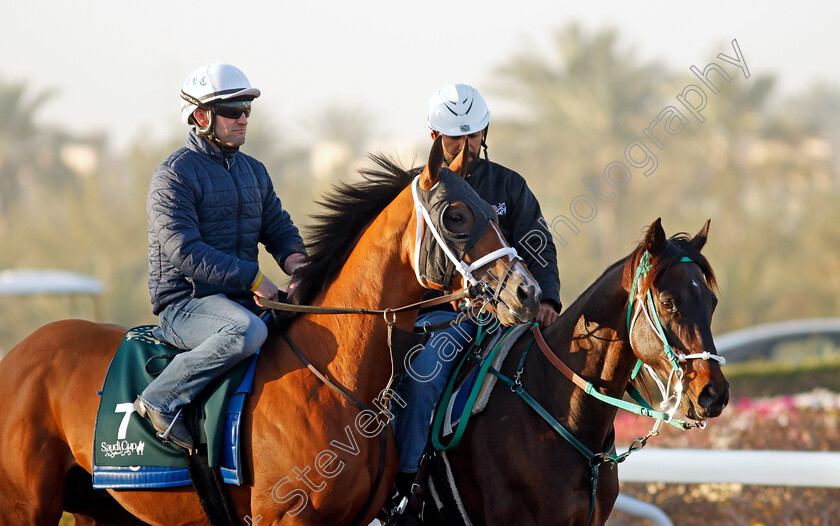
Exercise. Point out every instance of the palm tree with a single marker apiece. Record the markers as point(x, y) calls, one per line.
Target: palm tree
point(581, 105)
point(28, 152)
point(351, 125)
point(341, 134)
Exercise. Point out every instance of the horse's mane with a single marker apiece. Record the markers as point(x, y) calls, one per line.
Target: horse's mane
point(678, 246)
point(349, 209)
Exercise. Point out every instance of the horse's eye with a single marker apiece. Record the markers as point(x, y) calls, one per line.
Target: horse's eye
point(667, 305)
point(455, 220)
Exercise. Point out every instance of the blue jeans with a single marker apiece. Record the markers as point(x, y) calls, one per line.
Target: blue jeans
point(424, 382)
point(220, 332)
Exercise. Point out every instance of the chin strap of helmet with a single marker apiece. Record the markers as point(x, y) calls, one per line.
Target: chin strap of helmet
point(208, 131)
point(484, 142)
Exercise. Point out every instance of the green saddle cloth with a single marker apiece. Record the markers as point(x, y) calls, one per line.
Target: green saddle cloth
point(122, 438)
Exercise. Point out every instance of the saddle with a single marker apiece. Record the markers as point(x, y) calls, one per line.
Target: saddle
point(128, 455)
point(470, 388)
point(467, 393)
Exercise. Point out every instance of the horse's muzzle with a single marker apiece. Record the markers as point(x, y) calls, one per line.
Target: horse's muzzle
point(710, 403)
point(519, 298)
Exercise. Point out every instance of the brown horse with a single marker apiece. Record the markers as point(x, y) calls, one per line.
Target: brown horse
point(512, 467)
point(309, 456)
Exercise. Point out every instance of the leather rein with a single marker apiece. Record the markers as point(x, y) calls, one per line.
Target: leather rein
point(316, 309)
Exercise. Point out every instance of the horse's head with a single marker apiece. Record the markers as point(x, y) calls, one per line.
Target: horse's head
point(669, 320)
point(459, 244)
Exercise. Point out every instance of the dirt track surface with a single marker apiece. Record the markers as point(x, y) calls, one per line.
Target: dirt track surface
point(805, 422)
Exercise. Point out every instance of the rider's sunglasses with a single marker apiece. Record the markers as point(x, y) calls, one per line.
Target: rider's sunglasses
point(232, 110)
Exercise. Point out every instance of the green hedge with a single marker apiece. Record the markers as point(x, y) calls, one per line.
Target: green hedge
point(756, 379)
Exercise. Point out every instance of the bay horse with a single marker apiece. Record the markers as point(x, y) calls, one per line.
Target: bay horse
point(514, 467)
point(305, 452)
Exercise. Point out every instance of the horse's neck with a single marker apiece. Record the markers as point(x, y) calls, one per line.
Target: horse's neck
point(591, 338)
point(376, 275)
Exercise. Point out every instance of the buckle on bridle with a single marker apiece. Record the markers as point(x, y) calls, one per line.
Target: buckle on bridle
point(479, 289)
point(517, 380)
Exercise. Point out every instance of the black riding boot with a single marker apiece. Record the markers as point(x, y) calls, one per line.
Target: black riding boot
point(411, 515)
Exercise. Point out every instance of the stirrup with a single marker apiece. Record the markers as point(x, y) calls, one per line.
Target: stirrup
point(165, 435)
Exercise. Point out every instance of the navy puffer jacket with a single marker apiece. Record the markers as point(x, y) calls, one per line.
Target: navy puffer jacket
point(207, 212)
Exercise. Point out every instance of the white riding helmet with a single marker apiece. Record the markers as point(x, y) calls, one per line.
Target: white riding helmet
point(211, 83)
point(458, 109)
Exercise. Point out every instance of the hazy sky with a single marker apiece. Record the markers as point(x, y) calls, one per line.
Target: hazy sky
point(118, 66)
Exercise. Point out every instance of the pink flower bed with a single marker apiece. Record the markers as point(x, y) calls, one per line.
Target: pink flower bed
point(804, 422)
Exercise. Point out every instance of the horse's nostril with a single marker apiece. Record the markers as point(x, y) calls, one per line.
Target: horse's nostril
point(707, 395)
point(526, 295)
point(713, 399)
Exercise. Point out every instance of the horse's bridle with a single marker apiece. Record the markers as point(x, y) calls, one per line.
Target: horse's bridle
point(670, 400)
point(473, 287)
point(446, 245)
point(609, 455)
point(642, 407)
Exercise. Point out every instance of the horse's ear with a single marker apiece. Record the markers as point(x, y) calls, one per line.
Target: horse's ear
point(431, 173)
point(699, 240)
point(655, 239)
point(458, 165)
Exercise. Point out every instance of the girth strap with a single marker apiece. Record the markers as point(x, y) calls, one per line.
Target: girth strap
point(211, 491)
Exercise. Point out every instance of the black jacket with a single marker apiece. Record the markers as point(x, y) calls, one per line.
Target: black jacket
point(519, 219)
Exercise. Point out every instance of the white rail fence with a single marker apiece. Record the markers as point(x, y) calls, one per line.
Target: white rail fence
point(703, 466)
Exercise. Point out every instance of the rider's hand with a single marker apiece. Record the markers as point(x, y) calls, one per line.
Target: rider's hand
point(266, 289)
point(294, 262)
point(547, 314)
